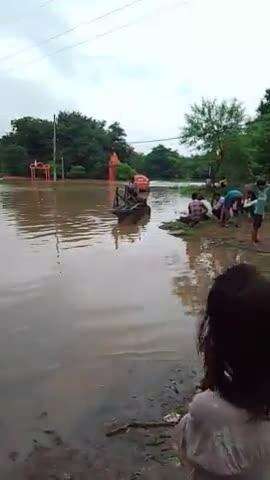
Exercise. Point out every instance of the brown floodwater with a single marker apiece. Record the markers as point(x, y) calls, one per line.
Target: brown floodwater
point(95, 316)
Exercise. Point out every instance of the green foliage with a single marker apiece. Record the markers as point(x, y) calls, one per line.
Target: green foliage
point(138, 162)
point(14, 160)
point(197, 167)
point(77, 171)
point(87, 142)
point(209, 124)
point(264, 107)
point(81, 140)
point(163, 162)
point(188, 190)
point(117, 140)
point(259, 135)
point(34, 135)
point(125, 172)
point(217, 130)
point(236, 164)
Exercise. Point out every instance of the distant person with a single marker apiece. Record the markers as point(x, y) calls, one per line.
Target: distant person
point(196, 209)
point(249, 203)
point(131, 184)
point(217, 205)
point(132, 191)
point(223, 183)
point(259, 210)
point(229, 200)
point(226, 432)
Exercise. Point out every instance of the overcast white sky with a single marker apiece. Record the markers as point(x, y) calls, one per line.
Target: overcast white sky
point(144, 76)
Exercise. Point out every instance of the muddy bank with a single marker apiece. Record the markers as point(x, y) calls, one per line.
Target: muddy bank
point(236, 235)
point(136, 453)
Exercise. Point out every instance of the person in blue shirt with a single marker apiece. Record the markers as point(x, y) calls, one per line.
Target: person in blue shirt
point(259, 208)
point(230, 198)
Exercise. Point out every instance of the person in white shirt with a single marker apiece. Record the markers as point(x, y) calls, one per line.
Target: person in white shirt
point(217, 205)
point(226, 432)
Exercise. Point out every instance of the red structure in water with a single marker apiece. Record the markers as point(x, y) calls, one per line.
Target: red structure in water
point(39, 166)
point(113, 164)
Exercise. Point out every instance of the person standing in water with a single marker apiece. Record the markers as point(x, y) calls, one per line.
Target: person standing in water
point(226, 432)
point(259, 210)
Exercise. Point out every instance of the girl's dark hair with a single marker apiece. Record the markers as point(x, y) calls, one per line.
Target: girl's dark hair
point(234, 339)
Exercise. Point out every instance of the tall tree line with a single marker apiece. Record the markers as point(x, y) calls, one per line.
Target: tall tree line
point(219, 134)
point(83, 142)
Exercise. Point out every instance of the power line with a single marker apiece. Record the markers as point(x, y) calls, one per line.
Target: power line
point(154, 141)
point(19, 18)
point(70, 30)
point(101, 35)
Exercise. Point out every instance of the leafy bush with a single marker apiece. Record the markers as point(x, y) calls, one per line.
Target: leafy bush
point(188, 190)
point(77, 171)
point(14, 160)
point(125, 172)
point(237, 160)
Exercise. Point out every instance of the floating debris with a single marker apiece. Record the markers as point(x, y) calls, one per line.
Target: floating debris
point(13, 456)
point(49, 431)
point(172, 418)
point(43, 415)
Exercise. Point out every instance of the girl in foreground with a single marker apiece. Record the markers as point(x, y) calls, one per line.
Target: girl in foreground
point(226, 434)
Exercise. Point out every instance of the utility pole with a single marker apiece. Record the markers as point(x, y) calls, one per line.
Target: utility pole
point(63, 169)
point(54, 149)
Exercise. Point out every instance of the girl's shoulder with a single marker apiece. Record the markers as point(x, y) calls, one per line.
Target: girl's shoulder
point(209, 406)
point(217, 437)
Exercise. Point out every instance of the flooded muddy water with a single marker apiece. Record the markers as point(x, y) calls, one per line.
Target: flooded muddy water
point(95, 316)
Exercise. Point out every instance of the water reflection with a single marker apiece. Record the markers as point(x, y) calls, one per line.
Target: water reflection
point(76, 214)
point(130, 229)
point(206, 259)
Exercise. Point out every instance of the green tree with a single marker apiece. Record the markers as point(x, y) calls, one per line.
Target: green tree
point(237, 164)
point(209, 124)
point(76, 171)
point(196, 167)
point(125, 172)
point(87, 142)
point(14, 160)
point(117, 138)
point(82, 140)
point(137, 162)
point(259, 136)
point(264, 106)
point(163, 162)
point(33, 134)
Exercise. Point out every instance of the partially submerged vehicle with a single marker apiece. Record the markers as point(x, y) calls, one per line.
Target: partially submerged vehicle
point(142, 183)
point(129, 202)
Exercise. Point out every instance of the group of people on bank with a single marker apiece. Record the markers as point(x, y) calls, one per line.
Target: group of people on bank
point(226, 432)
point(229, 205)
